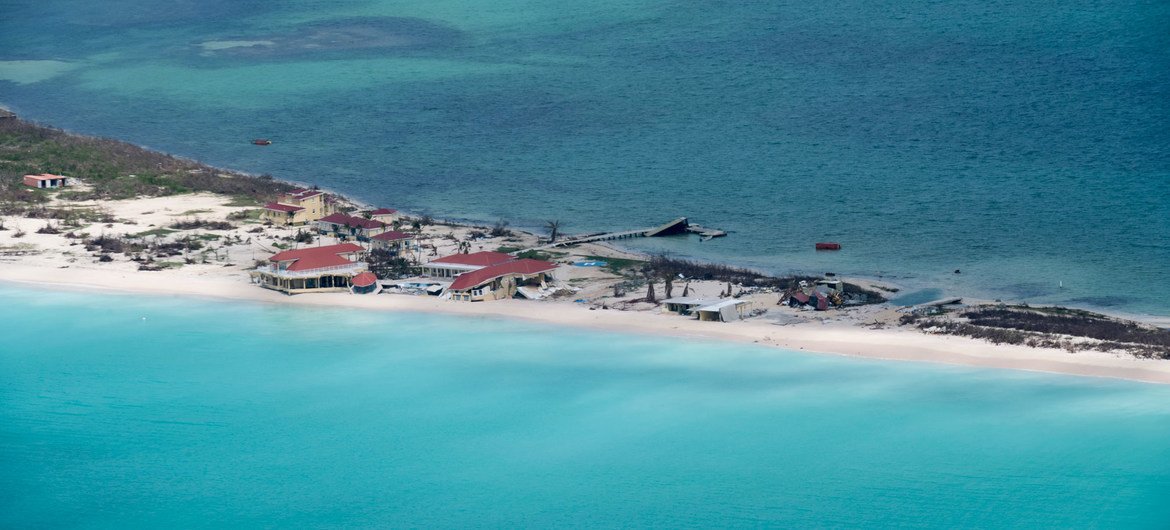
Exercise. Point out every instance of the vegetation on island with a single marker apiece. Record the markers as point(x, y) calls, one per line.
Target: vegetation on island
point(1053, 327)
point(111, 169)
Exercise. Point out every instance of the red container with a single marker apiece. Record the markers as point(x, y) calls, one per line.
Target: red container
point(828, 246)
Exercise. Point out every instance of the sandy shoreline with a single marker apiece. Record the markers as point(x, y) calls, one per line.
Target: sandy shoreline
point(221, 271)
point(828, 338)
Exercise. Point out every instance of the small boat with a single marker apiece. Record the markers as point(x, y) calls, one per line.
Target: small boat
point(828, 246)
point(262, 141)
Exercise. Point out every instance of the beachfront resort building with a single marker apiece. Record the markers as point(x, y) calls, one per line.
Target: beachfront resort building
point(46, 181)
point(345, 226)
point(386, 215)
point(298, 207)
point(454, 265)
point(397, 243)
point(314, 269)
point(504, 280)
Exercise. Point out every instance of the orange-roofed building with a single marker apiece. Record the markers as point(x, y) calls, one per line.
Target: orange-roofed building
point(313, 269)
point(497, 282)
point(46, 181)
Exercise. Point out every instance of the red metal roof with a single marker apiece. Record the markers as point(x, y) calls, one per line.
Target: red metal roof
point(317, 257)
point(392, 236)
point(349, 220)
point(479, 259)
point(524, 267)
point(44, 176)
point(364, 279)
point(384, 211)
point(282, 207)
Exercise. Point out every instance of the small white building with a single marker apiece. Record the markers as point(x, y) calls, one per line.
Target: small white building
point(46, 181)
point(724, 311)
point(386, 215)
point(393, 241)
point(685, 305)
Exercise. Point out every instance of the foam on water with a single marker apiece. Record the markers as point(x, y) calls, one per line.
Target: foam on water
point(131, 412)
point(1025, 145)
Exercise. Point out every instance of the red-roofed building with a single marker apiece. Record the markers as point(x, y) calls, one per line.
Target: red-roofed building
point(313, 269)
point(386, 215)
point(365, 283)
point(343, 226)
point(46, 181)
point(393, 241)
point(297, 207)
point(500, 281)
point(456, 264)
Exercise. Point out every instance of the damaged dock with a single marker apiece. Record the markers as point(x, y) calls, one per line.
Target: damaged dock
point(679, 226)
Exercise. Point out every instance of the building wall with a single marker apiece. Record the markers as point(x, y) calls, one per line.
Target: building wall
point(499, 289)
point(393, 246)
point(44, 183)
point(315, 207)
point(320, 284)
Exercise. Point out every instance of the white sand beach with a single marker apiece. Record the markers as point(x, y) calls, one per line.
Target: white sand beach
point(56, 261)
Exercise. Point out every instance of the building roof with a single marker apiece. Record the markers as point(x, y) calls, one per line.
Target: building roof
point(349, 220)
point(520, 267)
point(384, 211)
point(720, 305)
point(480, 259)
point(689, 300)
point(282, 207)
point(800, 297)
point(302, 194)
point(44, 176)
point(364, 279)
point(392, 236)
point(317, 257)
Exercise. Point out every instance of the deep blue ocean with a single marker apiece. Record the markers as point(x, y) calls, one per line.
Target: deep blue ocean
point(132, 412)
point(1024, 143)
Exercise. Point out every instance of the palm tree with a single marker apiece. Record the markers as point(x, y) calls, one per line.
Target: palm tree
point(554, 228)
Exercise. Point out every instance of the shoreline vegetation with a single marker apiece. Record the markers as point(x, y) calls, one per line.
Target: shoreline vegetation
point(146, 222)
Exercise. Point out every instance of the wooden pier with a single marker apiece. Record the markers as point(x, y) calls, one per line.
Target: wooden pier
point(676, 227)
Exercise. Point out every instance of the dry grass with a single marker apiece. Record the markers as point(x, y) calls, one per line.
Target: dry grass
point(115, 170)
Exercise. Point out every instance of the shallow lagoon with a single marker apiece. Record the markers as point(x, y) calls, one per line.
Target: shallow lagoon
point(125, 411)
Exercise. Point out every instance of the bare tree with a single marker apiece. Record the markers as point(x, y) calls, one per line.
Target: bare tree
point(554, 228)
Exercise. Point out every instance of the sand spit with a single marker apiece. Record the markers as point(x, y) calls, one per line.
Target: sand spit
point(221, 272)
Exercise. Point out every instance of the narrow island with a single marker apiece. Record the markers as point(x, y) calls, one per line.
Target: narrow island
point(79, 212)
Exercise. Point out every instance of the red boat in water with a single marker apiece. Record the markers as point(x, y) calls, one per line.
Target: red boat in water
point(262, 141)
point(828, 246)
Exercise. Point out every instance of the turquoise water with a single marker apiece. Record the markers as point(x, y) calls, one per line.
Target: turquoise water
point(122, 412)
point(1024, 144)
